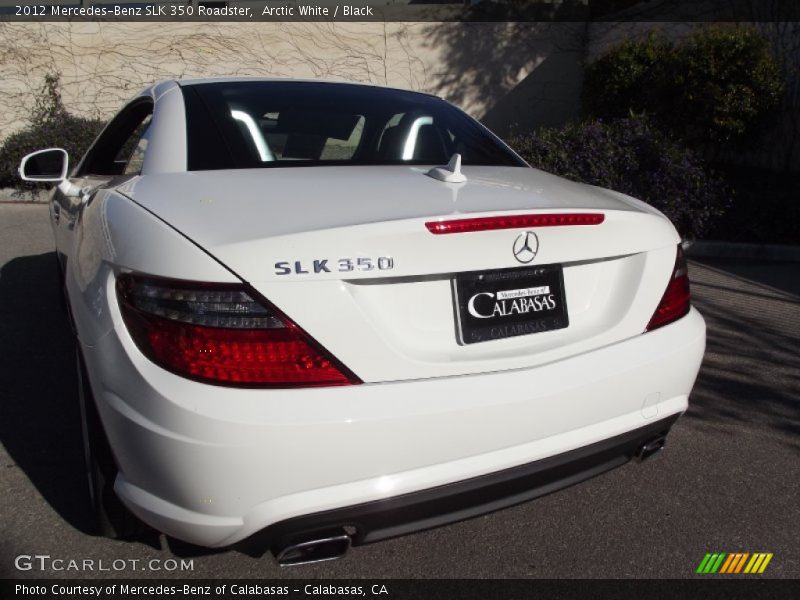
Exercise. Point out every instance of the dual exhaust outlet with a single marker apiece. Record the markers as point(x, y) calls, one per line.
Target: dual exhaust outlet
point(334, 543)
point(651, 447)
point(326, 545)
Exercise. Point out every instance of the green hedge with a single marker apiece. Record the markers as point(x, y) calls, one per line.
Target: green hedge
point(717, 86)
point(635, 158)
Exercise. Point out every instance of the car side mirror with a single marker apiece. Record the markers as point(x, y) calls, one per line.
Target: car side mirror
point(45, 165)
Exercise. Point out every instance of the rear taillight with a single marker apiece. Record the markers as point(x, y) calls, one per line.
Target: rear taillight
point(675, 303)
point(223, 334)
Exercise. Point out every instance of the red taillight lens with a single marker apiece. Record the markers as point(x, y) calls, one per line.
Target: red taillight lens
point(513, 222)
point(220, 333)
point(676, 301)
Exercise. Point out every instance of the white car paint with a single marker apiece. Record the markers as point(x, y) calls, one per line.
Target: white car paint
point(213, 465)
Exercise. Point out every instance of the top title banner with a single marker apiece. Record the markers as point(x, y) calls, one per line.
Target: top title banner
point(398, 10)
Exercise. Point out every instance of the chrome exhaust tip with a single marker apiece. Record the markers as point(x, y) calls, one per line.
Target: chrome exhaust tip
point(651, 447)
point(323, 546)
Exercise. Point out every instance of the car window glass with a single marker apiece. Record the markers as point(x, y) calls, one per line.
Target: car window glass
point(335, 149)
point(133, 151)
point(121, 147)
point(277, 124)
point(392, 122)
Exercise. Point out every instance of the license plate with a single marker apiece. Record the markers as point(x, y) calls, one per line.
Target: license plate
point(492, 305)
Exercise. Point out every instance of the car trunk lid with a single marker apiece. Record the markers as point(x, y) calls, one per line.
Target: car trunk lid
point(345, 252)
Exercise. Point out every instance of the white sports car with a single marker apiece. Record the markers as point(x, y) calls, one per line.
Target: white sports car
point(313, 314)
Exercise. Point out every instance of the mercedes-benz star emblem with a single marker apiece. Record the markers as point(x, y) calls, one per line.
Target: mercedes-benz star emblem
point(525, 247)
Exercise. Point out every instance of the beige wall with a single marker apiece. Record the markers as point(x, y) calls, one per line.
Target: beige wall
point(504, 73)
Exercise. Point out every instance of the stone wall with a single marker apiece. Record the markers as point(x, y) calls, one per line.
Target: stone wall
point(504, 73)
point(509, 75)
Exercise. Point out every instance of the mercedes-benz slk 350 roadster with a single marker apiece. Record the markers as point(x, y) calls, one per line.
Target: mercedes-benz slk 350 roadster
point(315, 314)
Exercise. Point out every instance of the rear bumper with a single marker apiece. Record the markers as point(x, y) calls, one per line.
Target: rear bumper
point(214, 466)
point(383, 519)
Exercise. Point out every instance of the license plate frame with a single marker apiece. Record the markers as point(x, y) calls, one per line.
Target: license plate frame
point(509, 303)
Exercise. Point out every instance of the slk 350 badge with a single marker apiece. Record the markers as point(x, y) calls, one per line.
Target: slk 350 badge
point(341, 265)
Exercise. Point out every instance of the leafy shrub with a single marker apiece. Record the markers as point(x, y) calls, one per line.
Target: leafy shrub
point(727, 82)
point(628, 79)
point(51, 126)
point(632, 157)
point(719, 85)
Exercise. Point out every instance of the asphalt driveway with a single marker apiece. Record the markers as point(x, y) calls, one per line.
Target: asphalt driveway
point(728, 481)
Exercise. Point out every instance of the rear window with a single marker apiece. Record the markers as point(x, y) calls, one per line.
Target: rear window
point(283, 124)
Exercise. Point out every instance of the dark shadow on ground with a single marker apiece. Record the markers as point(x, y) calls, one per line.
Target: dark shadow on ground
point(751, 371)
point(777, 275)
point(40, 424)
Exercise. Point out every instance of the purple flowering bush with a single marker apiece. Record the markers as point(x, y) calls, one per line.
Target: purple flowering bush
point(632, 157)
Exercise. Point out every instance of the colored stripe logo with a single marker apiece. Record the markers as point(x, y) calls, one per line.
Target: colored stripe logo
point(734, 563)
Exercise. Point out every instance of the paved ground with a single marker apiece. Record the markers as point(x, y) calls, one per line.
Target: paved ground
point(728, 481)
